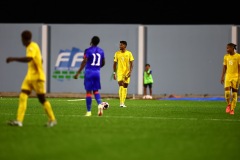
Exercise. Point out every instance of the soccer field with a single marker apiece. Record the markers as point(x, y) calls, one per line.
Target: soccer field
point(145, 130)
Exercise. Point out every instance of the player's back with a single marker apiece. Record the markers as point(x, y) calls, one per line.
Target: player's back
point(94, 57)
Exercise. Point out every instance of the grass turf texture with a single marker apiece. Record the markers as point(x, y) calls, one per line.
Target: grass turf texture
point(145, 130)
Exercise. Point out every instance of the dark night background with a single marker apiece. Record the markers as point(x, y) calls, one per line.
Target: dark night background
point(120, 12)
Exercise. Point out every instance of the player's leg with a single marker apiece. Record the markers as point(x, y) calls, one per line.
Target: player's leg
point(234, 95)
point(120, 89)
point(97, 96)
point(120, 92)
point(48, 109)
point(88, 84)
point(234, 101)
point(89, 103)
point(40, 91)
point(125, 91)
point(96, 86)
point(99, 101)
point(227, 93)
point(150, 90)
point(144, 91)
point(22, 104)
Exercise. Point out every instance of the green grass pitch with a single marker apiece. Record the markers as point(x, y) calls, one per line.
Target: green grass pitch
point(145, 130)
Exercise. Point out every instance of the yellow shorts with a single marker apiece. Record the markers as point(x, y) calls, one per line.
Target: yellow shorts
point(36, 85)
point(121, 77)
point(231, 82)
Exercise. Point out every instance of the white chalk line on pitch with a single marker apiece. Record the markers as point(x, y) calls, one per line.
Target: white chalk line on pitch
point(142, 117)
point(76, 100)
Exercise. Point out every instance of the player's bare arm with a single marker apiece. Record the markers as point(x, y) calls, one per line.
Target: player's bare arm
point(223, 73)
point(130, 71)
point(81, 68)
point(114, 70)
point(19, 59)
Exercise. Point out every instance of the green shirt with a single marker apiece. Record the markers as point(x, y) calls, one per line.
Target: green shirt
point(147, 77)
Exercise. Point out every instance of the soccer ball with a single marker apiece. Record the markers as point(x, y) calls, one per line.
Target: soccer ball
point(105, 105)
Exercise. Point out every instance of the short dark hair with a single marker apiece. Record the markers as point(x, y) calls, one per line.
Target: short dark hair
point(27, 35)
point(95, 40)
point(124, 42)
point(147, 65)
point(232, 45)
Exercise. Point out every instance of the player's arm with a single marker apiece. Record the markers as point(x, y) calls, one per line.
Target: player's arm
point(238, 73)
point(19, 59)
point(84, 62)
point(103, 62)
point(223, 73)
point(130, 69)
point(114, 69)
point(149, 72)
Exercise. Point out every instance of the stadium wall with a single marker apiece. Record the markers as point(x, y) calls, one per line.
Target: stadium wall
point(185, 59)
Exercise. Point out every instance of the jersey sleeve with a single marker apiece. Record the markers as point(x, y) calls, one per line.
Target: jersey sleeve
point(225, 60)
point(31, 52)
point(131, 57)
point(115, 57)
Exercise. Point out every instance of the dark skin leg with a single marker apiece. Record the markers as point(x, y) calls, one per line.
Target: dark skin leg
point(230, 88)
point(145, 91)
point(41, 97)
point(121, 83)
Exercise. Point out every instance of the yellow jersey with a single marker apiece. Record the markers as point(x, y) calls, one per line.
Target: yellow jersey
point(232, 62)
point(123, 61)
point(35, 67)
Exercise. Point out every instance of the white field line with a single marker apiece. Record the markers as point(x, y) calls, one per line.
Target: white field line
point(76, 100)
point(132, 117)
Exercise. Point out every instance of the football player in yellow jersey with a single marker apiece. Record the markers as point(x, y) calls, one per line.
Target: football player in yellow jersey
point(34, 80)
point(231, 76)
point(122, 69)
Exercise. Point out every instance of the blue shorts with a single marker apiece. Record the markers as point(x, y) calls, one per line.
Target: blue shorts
point(92, 80)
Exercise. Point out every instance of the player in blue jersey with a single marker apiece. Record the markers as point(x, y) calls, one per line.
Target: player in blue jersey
point(93, 61)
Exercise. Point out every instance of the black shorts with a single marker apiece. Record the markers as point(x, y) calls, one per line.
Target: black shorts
point(148, 85)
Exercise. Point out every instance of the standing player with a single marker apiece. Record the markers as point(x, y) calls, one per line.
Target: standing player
point(231, 76)
point(93, 61)
point(34, 80)
point(147, 82)
point(122, 69)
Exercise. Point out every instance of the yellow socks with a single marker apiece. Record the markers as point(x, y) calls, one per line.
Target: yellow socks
point(234, 100)
point(120, 91)
point(124, 94)
point(22, 106)
point(227, 97)
point(49, 111)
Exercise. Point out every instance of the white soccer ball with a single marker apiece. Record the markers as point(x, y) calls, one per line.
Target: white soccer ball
point(105, 105)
